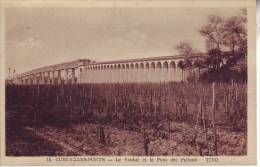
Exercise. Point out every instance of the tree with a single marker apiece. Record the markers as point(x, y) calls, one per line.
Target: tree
point(235, 35)
point(226, 34)
point(225, 38)
point(213, 31)
point(185, 48)
point(181, 65)
point(215, 58)
point(199, 64)
point(236, 38)
point(187, 63)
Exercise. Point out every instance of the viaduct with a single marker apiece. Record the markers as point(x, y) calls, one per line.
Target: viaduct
point(154, 69)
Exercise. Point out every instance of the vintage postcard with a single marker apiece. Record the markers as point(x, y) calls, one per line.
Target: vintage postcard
point(128, 82)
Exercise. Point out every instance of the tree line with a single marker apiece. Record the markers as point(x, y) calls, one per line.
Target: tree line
point(226, 45)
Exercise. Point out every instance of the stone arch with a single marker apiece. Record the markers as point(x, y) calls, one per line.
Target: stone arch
point(147, 65)
point(132, 65)
point(127, 65)
point(111, 66)
point(123, 65)
point(159, 64)
point(119, 66)
point(153, 65)
point(136, 65)
point(115, 66)
point(141, 65)
point(165, 64)
point(172, 64)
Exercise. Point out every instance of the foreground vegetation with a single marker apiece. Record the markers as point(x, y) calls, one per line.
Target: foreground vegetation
point(207, 113)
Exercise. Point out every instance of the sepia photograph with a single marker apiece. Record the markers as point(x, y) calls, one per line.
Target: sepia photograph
point(126, 81)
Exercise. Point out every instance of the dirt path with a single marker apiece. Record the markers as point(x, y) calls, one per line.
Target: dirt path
point(53, 139)
point(84, 139)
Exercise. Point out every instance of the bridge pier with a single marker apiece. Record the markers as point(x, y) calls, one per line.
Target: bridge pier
point(41, 78)
point(51, 77)
point(47, 77)
point(59, 76)
point(55, 77)
point(31, 80)
point(38, 78)
point(26, 81)
point(73, 75)
point(44, 77)
point(66, 76)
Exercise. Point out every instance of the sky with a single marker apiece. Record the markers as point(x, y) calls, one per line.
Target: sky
point(37, 37)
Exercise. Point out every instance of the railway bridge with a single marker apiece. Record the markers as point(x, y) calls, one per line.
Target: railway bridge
point(154, 69)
